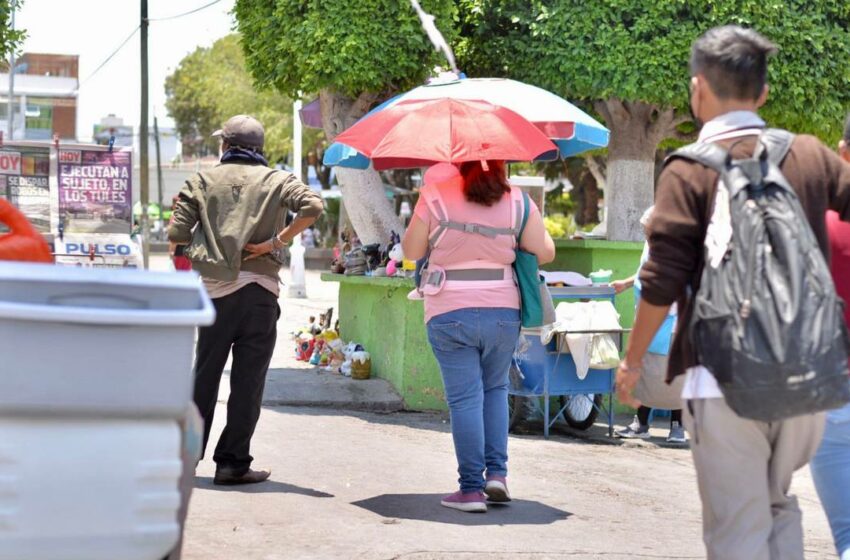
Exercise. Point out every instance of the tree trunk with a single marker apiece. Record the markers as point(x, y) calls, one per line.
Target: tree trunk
point(636, 130)
point(590, 184)
point(588, 211)
point(344, 223)
point(629, 194)
point(367, 205)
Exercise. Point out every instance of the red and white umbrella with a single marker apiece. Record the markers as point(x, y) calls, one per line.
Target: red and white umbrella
point(419, 133)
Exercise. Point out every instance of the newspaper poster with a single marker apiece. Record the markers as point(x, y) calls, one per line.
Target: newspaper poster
point(99, 251)
point(95, 191)
point(25, 182)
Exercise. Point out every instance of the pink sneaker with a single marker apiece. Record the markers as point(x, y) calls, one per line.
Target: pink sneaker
point(473, 502)
point(496, 489)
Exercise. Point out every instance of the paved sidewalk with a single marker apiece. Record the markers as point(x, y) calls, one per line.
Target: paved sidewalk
point(367, 486)
point(364, 486)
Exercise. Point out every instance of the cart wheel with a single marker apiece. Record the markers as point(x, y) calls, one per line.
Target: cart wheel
point(518, 408)
point(581, 410)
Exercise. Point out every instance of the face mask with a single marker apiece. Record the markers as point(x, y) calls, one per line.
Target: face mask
point(694, 116)
point(691, 97)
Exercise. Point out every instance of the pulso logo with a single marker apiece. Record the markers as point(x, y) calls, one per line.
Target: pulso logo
point(105, 249)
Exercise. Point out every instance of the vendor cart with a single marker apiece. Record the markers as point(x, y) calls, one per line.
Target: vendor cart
point(542, 371)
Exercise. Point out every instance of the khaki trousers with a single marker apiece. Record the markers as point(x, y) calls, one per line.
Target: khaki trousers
point(744, 470)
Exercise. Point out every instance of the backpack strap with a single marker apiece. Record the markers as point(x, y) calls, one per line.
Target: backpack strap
point(708, 154)
point(776, 143)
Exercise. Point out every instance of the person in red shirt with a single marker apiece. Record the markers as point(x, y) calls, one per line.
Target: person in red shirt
point(831, 466)
point(839, 248)
point(181, 262)
point(839, 238)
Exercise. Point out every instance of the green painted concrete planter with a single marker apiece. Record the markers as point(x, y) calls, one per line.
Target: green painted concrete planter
point(376, 313)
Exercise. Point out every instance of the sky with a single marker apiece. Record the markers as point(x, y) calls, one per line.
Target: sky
point(93, 29)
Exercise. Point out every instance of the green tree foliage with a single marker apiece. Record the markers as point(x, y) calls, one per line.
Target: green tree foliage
point(10, 40)
point(638, 50)
point(628, 59)
point(352, 53)
point(211, 85)
point(351, 47)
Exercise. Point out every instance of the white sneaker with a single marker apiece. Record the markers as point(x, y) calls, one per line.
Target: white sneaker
point(496, 489)
point(633, 431)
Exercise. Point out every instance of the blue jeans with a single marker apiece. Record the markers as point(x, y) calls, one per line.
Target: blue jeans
point(831, 473)
point(474, 348)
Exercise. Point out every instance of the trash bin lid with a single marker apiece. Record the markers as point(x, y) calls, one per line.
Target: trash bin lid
point(111, 296)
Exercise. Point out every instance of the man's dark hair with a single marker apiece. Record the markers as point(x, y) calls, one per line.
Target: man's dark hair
point(734, 61)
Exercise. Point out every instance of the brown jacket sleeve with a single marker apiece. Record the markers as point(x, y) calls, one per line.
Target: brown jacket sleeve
point(186, 214)
point(301, 199)
point(677, 231)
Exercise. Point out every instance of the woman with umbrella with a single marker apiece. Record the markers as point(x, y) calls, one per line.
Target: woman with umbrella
point(472, 222)
point(472, 311)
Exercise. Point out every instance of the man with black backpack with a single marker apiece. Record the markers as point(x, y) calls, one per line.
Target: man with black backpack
point(739, 240)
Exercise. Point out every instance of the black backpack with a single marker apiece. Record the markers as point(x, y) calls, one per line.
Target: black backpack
point(767, 322)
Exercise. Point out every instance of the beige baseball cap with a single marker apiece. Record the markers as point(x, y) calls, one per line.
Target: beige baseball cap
point(244, 131)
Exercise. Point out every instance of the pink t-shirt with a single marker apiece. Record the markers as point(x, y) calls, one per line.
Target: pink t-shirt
point(458, 247)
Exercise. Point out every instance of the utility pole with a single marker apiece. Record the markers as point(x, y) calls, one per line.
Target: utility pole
point(10, 115)
point(144, 138)
point(297, 280)
point(158, 173)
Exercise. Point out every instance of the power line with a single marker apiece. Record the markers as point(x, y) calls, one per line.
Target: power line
point(108, 58)
point(198, 9)
point(127, 40)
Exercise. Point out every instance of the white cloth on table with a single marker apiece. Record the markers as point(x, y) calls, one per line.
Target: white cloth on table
point(584, 316)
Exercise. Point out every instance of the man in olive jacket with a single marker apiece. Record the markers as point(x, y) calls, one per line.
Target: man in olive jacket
point(232, 221)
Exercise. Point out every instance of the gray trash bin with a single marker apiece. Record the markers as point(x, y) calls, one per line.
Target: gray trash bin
point(98, 341)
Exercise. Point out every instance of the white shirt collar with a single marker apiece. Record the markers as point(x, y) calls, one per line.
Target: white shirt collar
point(731, 125)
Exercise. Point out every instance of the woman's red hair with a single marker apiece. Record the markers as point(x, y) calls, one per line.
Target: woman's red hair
point(484, 187)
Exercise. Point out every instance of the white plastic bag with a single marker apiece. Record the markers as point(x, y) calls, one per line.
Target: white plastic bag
point(603, 352)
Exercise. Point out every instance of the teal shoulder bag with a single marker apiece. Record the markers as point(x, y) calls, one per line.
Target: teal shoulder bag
point(536, 301)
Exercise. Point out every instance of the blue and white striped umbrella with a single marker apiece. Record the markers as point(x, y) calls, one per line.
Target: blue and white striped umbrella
point(570, 128)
